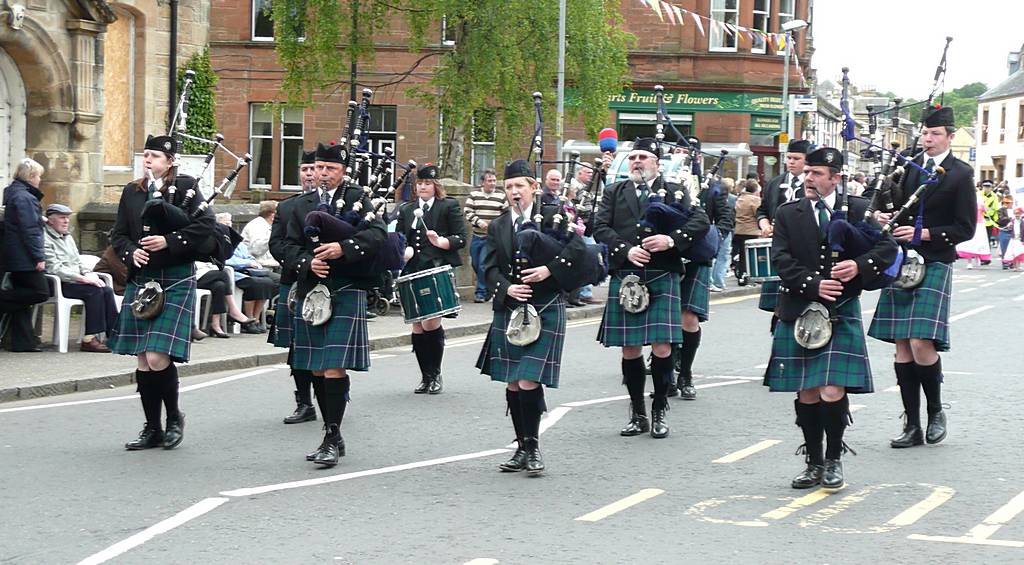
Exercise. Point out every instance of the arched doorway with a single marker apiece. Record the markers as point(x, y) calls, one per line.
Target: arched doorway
point(12, 118)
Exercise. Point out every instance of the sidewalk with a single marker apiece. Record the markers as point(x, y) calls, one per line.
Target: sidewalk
point(33, 375)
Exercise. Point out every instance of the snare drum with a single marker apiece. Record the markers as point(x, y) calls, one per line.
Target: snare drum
point(759, 259)
point(428, 294)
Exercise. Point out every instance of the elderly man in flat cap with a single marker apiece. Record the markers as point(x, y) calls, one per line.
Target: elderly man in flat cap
point(77, 281)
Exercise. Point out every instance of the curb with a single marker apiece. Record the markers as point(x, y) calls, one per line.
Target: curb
point(240, 362)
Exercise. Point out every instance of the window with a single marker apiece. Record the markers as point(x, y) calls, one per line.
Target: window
point(380, 133)
point(1020, 169)
point(631, 126)
point(291, 148)
point(1020, 124)
point(724, 12)
point(262, 23)
point(787, 12)
point(984, 125)
point(484, 132)
point(118, 92)
point(1002, 123)
point(261, 147)
point(447, 36)
point(762, 11)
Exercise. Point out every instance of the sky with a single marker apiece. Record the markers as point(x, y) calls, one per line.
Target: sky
point(895, 45)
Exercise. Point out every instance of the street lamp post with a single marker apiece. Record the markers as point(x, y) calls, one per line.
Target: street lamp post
point(788, 27)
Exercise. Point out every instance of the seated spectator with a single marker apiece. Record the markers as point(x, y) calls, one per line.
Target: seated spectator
point(23, 284)
point(254, 280)
point(212, 278)
point(76, 281)
point(256, 235)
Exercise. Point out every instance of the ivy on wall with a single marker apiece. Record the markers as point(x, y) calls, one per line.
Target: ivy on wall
point(202, 107)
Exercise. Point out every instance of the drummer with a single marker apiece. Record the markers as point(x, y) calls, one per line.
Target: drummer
point(434, 230)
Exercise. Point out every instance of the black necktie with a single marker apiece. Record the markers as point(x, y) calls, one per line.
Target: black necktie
point(822, 219)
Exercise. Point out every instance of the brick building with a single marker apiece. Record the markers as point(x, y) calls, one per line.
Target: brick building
point(724, 88)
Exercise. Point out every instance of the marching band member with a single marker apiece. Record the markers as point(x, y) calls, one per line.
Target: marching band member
point(434, 238)
point(784, 188)
point(917, 319)
point(651, 267)
point(281, 335)
point(822, 376)
point(340, 344)
point(167, 259)
point(526, 369)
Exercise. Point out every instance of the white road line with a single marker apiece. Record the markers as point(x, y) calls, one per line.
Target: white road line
point(620, 505)
point(194, 511)
point(998, 519)
point(966, 290)
point(578, 403)
point(761, 366)
point(251, 491)
point(733, 299)
point(748, 451)
point(188, 388)
point(867, 312)
point(971, 312)
point(723, 383)
point(957, 373)
point(741, 377)
point(1019, 298)
point(856, 407)
point(893, 388)
point(967, 540)
point(482, 561)
point(586, 322)
point(553, 417)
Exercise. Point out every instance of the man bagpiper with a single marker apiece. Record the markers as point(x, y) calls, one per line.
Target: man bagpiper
point(281, 335)
point(816, 289)
point(917, 319)
point(650, 269)
point(526, 368)
point(331, 347)
point(434, 237)
point(784, 188)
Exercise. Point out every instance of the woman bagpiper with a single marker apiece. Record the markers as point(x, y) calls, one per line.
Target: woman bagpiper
point(435, 230)
point(526, 369)
point(158, 341)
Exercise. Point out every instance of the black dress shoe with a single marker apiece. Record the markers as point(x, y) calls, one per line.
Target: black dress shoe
point(423, 386)
point(175, 431)
point(811, 477)
point(686, 388)
point(517, 462)
point(330, 450)
point(910, 437)
point(341, 449)
point(148, 438)
point(303, 413)
point(436, 385)
point(30, 349)
point(250, 328)
point(534, 462)
point(219, 333)
point(936, 427)
point(832, 477)
point(659, 428)
point(638, 424)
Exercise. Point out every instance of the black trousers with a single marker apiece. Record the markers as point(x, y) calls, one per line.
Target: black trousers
point(218, 284)
point(257, 288)
point(100, 307)
point(29, 288)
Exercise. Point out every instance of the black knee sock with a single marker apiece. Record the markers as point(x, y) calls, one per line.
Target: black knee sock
point(634, 377)
point(661, 374)
point(421, 348)
point(150, 395)
point(906, 377)
point(318, 391)
point(808, 417)
point(336, 391)
point(303, 380)
point(515, 411)
point(687, 353)
point(835, 416)
point(931, 381)
point(169, 390)
point(436, 340)
point(532, 405)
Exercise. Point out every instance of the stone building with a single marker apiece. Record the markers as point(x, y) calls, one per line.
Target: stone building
point(1000, 135)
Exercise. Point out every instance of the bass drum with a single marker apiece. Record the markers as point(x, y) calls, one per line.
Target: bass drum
point(428, 294)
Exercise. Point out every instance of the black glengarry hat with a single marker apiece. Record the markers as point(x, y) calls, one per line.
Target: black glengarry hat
point(308, 157)
point(647, 144)
point(332, 153)
point(164, 143)
point(518, 168)
point(938, 116)
point(428, 172)
point(799, 146)
point(825, 157)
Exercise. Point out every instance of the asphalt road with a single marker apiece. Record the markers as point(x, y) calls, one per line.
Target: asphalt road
point(420, 483)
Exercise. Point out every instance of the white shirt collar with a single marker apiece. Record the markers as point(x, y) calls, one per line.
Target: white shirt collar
point(938, 158)
point(429, 203)
point(330, 194)
point(527, 213)
point(650, 184)
point(830, 200)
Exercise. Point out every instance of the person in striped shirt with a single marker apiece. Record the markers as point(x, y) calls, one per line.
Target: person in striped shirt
point(481, 207)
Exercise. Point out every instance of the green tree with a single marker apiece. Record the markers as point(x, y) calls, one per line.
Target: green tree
point(202, 107)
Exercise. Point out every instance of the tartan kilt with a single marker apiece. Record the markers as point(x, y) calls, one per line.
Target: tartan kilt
point(842, 362)
point(171, 331)
point(540, 362)
point(661, 322)
point(919, 313)
point(282, 332)
point(769, 296)
point(695, 290)
point(341, 343)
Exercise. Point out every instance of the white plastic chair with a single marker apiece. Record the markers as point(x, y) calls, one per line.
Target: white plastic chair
point(62, 313)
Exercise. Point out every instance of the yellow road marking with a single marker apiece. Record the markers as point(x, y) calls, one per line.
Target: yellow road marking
point(748, 451)
point(797, 504)
point(938, 497)
point(620, 505)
